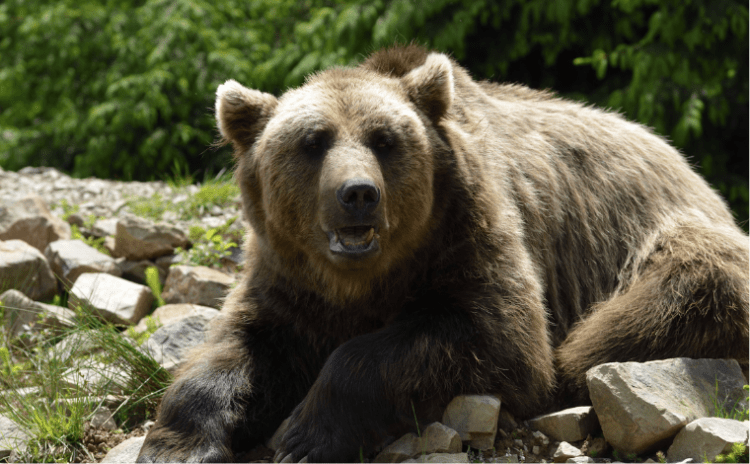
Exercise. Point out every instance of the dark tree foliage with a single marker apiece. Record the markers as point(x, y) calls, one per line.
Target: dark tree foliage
point(124, 88)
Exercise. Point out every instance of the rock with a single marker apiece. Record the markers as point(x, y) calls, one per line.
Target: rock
point(138, 239)
point(171, 313)
point(196, 284)
point(438, 438)
point(705, 438)
point(102, 418)
point(26, 316)
point(474, 417)
point(274, 442)
point(580, 459)
point(170, 344)
point(104, 227)
point(23, 267)
point(76, 345)
point(641, 405)
point(125, 452)
point(539, 438)
point(597, 447)
point(12, 437)
point(113, 299)
point(400, 450)
point(442, 457)
point(30, 220)
point(71, 258)
point(572, 424)
point(565, 451)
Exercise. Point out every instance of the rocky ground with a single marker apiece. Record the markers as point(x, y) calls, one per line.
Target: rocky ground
point(113, 232)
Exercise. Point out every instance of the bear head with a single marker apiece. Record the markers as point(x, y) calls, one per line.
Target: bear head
point(337, 176)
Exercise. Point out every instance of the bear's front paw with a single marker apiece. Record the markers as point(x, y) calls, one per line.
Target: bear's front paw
point(322, 438)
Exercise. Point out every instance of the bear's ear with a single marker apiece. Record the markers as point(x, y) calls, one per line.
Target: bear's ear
point(242, 113)
point(430, 86)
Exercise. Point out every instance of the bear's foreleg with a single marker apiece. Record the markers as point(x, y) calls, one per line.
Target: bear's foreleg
point(369, 386)
point(232, 394)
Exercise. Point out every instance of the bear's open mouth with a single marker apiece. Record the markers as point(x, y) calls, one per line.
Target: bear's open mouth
point(353, 241)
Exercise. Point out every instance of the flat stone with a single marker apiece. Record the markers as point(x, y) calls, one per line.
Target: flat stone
point(171, 313)
point(113, 299)
point(569, 425)
point(400, 450)
point(135, 271)
point(565, 451)
point(12, 437)
point(125, 452)
point(442, 457)
point(196, 284)
point(642, 405)
point(24, 268)
point(26, 316)
point(705, 438)
point(474, 417)
point(580, 459)
point(30, 220)
point(137, 238)
point(170, 344)
point(71, 258)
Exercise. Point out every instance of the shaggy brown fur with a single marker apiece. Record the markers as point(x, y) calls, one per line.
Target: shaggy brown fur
point(418, 235)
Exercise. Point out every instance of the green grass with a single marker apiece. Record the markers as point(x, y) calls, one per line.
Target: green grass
point(221, 191)
point(61, 398)
point(737, 411)
point(210, 246)
point(739, 453)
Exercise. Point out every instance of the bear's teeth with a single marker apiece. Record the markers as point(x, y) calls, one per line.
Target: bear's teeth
point(370, 235)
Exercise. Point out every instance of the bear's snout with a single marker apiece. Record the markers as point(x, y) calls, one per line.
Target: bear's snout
point(358, 196)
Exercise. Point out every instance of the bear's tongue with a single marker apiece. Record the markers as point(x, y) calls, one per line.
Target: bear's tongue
point(353, 236)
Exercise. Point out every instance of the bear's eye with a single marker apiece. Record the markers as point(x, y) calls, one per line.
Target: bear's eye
point(315, 143)
point(383, 144)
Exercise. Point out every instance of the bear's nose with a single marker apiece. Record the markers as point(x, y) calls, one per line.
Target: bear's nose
point(358, 195)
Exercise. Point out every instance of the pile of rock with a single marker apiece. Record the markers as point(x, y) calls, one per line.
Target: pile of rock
point(638, 408)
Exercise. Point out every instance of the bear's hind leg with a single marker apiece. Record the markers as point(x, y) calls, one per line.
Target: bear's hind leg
point(688, 297)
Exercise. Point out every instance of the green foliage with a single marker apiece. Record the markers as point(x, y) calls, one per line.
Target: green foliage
point(94, 242)
point(152, 325)
point(209, 246)
point(123, 88)
point(738, 454)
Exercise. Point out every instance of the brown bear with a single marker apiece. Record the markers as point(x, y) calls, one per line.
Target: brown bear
point(417, 235)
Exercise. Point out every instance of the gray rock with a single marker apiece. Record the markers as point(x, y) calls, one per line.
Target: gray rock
point(30, 220)
point(196, 284)
point(640, 405)
point(23, 267)
point(104, 227)
point(170, 344)
point(171, 313)
point(26, 316)
point(580, 459)
point(474, 417)
point(438, 438)
point(572, 424)
point(441, 457)
point(71, 258)
point(95, 378)
point(12, 438)
point(102, 418)
point(138, 239)
point(705, 438)
point(566, 451)
point(111, 298)
point(125, 452)
point(400, 450)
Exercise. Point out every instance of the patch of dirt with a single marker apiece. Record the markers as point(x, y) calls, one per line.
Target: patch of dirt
point(98, 441)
